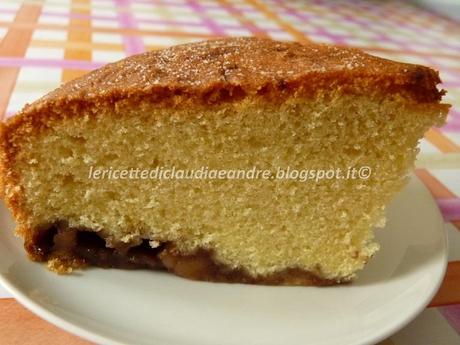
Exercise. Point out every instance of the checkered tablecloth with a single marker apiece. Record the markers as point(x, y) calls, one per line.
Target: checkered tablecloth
point(44, 43)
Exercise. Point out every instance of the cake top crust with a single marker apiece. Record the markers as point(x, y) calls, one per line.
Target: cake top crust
point(225, 69)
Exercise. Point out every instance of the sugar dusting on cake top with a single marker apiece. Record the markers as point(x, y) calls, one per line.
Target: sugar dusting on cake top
point(249, 65)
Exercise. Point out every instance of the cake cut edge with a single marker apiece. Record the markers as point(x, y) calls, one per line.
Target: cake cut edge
point(417, 82)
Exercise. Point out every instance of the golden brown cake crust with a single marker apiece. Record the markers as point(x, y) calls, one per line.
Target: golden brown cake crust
point(247, 66)
point(215, 71)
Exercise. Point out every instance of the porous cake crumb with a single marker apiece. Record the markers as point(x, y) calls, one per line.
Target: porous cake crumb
point(234, 103)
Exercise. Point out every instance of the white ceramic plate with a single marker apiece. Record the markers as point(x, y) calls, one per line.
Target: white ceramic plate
point(144, 307)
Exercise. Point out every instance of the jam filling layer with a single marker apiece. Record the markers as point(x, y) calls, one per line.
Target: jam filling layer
point(76, 248)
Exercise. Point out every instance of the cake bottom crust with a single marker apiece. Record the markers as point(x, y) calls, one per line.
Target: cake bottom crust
point(67, 248)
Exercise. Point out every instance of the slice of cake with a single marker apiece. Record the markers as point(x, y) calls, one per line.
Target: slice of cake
point(237, 160)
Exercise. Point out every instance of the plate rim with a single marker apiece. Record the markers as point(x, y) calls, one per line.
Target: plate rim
point(93, 336)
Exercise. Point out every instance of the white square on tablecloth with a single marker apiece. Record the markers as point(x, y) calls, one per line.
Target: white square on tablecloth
point(4, 293)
